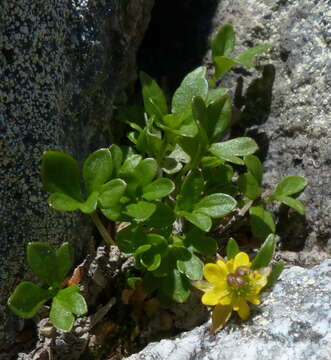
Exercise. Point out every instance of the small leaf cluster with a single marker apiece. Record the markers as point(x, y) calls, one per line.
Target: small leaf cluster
point(223, 46)
point(118, 181)
point(172, 188)
point(51, 267)
point(179, 171)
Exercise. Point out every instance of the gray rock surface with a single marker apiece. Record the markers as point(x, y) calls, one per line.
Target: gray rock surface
point(62, 64)
point(286, 107)
point(293, 322)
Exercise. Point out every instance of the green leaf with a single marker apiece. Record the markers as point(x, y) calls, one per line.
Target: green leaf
point(151, 257)
point(61, 174)
point(146, 171)
point(261, 221)
point(162, 217)
point(27, 299)
point(246, 58)
point(249, 186)
point(194, 84)
point(197, 241)
point(158, 189)
point(130, 238)
point(187, 126)
point(132, 281)
point(232, 248)
point(150, 142)
point(218, 177)
point(216, 94)
point(151, 261)
point(140, 211)
point(219, 117)
point(175, 286)
point(192, 268)
point(117, 158)
point(97, 169)
point(90, 205)
point(170, 165)
point(274, 275)
point(111, 193)
point(60, 317)
point(42, 260)
point(290, 185)
point(64, 260)
point(211, 161)
point(229, 150)
point(63, 202)
point(222, 65)
point(71, 300)
point(216, 205)
point(158, 242)
point(292, 203)
point(224, 41)
point(202, 221)
point(254, 166)
point(129, 165)
point(154, 100)
point(191, 190)
point(265, 254)
point(48, 264)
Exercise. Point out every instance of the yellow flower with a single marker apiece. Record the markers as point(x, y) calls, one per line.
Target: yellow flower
point(232, 285)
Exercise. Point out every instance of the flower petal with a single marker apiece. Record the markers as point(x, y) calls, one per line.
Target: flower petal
point(214, 273)
point(225, 300)
point(254, 300)
point(223, 266)
point(220, 316)
point(241, 259)
point(243, 310)
point(213, 296)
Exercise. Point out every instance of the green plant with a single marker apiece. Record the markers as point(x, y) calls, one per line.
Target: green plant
point(178, 183)
point(51, 267)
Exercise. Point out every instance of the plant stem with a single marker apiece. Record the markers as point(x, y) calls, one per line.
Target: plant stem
point(102, 230)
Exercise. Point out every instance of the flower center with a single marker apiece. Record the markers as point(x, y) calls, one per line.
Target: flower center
point(240, 281)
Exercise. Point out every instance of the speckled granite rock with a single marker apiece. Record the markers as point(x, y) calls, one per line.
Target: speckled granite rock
point(61, 65)
point(293, 322)
point(286, 106)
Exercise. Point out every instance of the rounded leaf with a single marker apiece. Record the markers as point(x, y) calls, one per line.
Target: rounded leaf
point(158, 189)
point(224, 41)
point(60, 173)
point(216, 205)
point(261, 221)
point(192, 268)
point(194, 84)
point(27, 299)
point(241, 146)
point(60, 317)
point(71, 300)
point(62, 202)
point(290, 185)
point(265, 254)
point(232, 249)
point(201, 220)
point(146, 171)
point(140, 211)
point(97, 169)
point(249, 185)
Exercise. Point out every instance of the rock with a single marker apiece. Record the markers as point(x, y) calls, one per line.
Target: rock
point(293, 322)
point(285, 106)
point(62, 64)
